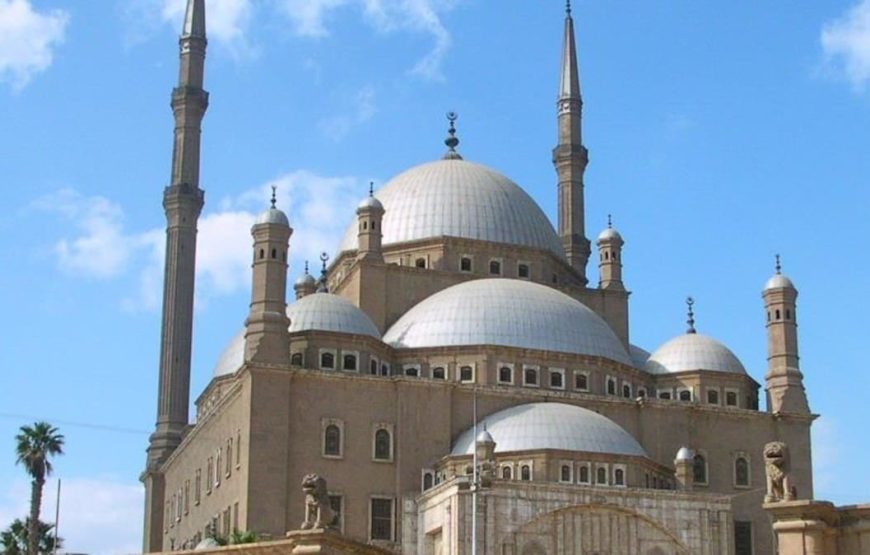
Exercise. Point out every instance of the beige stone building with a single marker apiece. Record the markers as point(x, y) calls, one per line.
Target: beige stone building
point(458, 377)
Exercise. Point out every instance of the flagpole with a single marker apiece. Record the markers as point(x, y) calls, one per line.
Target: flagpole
point(56, 518)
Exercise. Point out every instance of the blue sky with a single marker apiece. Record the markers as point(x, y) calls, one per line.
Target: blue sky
point(718, 136)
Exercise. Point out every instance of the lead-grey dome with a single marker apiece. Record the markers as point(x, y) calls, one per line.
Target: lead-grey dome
point(507, 312)
point(778, 281)
point(552, 426)
point(318, 311)
point(272, 216)
point(458, 198)
point(693, 351)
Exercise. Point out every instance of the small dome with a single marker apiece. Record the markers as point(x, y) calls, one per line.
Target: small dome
point(778, 281)
point(457, 198)
point(318, 311)
point(685, 454)
point(485, 437)
point(638, 356)
point(272, 216)
point(560, 426)
point(305, 280)
point(370, 202)
point(693, 351)
point(609, 234)
point(508, 312)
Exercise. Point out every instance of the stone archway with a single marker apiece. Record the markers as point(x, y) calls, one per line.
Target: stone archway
point(592, 530)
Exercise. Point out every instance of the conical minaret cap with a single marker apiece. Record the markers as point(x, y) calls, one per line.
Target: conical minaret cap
point(194, 20)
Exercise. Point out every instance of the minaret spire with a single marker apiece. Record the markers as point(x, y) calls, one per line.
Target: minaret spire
point(570, 156)
point(182, 202)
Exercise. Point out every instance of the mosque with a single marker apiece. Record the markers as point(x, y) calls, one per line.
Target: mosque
point(457, 377)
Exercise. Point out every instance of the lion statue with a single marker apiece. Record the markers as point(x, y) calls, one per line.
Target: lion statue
point(776, 466)
point(318, 511)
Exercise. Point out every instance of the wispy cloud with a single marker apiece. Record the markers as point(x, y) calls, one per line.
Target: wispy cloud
point(28, 39)
point(310, 19)
point(846, 43)
point(319, 208)
point(362, 108)
point(99, 516)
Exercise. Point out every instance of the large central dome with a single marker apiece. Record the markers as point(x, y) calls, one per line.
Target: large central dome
point(456, 198)
point(508, 312)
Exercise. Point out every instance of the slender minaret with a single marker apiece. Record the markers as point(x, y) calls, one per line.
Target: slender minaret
point(267, 338)
point(785, 387)
point(610, 258)
point(182, 202)
point(570, 156)
point(370, 216)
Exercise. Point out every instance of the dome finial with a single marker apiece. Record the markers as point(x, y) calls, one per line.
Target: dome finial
point(609, 222)
point(452, 141)
point(306, 266)
point(691, 321)
point(321, 286)
point(274, 193)
point(568, 8)
point(778, 265)
point(371, 189)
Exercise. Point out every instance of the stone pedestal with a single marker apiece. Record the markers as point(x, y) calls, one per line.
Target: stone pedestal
point(805, 527)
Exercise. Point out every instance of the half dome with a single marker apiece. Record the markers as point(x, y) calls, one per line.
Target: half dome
point(318, 311)
point(552, 426)
point(457, 198)
point(693, 351)
point(510, 313)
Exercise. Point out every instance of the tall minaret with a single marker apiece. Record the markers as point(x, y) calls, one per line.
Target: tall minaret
point(570, 156)
point(182, 202)
point(785, 387)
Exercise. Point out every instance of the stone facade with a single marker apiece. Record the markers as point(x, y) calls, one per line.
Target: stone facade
point(820, 528)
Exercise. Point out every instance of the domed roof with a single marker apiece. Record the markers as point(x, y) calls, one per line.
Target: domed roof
point(457, 198)
point(778, 281)
point(609, 234)
point(370, 202)
point(507, 312)
point(318, 311)
point(638, 356)
point(305, 279)
point(552, 426)
point(272, 216)
point(693, 351)
point(685, 454)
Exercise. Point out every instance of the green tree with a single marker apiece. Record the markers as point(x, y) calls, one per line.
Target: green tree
point(13, 540)
point(35, 445)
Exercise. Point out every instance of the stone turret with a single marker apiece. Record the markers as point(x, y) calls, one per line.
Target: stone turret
point(785, 388)
point(570, 157)
point(684, 469)
point(610, 258)
point(305, 285)
point(370, 215)
point(267, 338)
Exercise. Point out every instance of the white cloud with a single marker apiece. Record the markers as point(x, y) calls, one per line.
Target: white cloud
point(309, 19)
point(362, 109)
point(27, 40)
point(846, 43)
point(98, 245)
point(227, 20)
point(99, 516)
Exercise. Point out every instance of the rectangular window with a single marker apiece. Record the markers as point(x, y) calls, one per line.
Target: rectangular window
point(229, 465)
point(238, 448)
point(666, 395)
point(197, 486)
point(327, 359)
point(466, 373)
point(186, 496)
point(731, 398)
point(611, 386)
point(713, 396)
point(505, 373)
point(236, 515)
point(335, 503)
point(465, 263)
point(581, 381)
point(742, 538)
point(530, 376)
point(381, 519)
point(523, 270)
point(209, 472)
point(217, 467)
point(412, 370)
point(557, 378)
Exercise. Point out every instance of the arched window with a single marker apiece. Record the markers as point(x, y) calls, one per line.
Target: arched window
point(601, 475)
point(611, 386)
point(523, 271)
point(699, 469)
point(666, 395)
point(412, 371)
point(505, 375)
point(385, 369)
point(349, 362)
point(262, 254)
point(332, 441)
point(565, 474)
point(465, 264)
point(581, 381)
point(584, 474)
point(530, 376)
point(296, 359)
point(619, 477)
point(466, 374)
point(506, 473)
point(365, 225)
point(374, 225)
point(741, 472)
point(777, 314)
point(495, 267)
point(383, 445)
point(428, 479)
point(626, 391)
point(526, 472)
point(731, 398)
point(373, 367)
point(438, 373)
point(327, 360)
point(685, 395)
point(557, 379)
point(420, 263)
point(274, 254)
point(713, 396)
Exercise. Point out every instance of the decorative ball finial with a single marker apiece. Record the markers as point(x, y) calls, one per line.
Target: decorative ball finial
point(274, 198)
point(306, 267)
point(452, 141)
point(609, 222)
point(691, 321)
point(371, 189)
point(778, 265)
point(568, 8)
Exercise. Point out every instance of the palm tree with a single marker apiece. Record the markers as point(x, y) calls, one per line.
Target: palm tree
point(13, 540)
point(34, 446)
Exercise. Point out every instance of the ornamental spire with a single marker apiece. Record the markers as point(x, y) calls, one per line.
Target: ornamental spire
point(194, 20)
point(778, 265)
point(569, 86)
point(452, 141)
point(691, 320)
